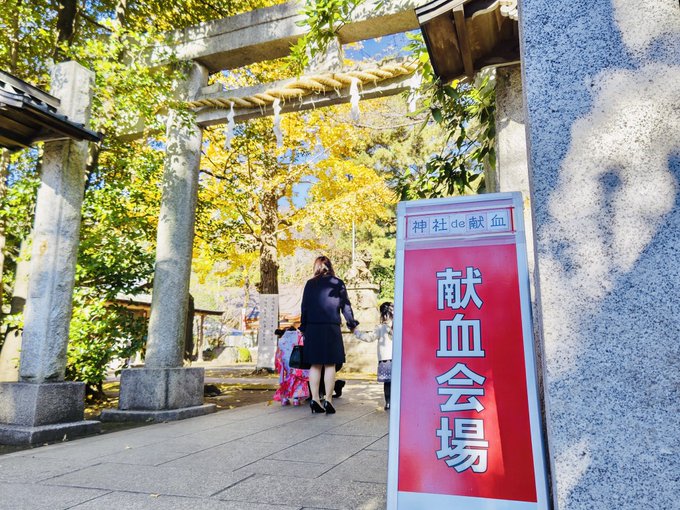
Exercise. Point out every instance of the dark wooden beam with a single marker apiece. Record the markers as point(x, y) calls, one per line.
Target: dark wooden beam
point(12, 140)
point(464, 42)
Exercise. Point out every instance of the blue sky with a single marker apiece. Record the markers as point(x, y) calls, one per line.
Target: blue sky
point(378, 49)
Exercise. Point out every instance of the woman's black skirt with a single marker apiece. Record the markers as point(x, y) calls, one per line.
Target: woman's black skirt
point(323, 344)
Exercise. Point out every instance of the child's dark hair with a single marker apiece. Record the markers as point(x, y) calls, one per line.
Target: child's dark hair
point(386, 311)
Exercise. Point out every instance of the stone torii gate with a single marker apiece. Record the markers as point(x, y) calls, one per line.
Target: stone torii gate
point(163, 389)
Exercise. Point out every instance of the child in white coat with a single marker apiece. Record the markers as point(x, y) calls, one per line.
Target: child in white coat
point(383, 335)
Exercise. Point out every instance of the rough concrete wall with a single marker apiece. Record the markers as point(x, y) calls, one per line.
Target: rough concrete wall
point(601, 81)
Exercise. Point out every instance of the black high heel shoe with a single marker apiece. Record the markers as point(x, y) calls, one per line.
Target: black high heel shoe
point(316, 407)
point(329, 407)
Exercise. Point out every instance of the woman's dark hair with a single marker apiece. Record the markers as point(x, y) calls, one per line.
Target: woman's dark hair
point(323, 266)
point(386, 311)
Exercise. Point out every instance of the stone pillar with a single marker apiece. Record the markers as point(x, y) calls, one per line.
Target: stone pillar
point(361, 356)
point(41, 406)
point(163, 390)
point(363, 295)
point(512, 170)
point(364, 299)
point(267, 324)
point(511, 147)
point(9, 356)
point(603, 123)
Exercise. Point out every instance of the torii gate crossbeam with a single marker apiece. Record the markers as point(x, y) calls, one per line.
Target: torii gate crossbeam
point(268, 33)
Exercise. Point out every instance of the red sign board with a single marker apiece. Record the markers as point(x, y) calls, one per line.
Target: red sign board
point(465, 426)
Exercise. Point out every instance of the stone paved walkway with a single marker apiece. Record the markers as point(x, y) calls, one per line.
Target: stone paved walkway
point(251, 458)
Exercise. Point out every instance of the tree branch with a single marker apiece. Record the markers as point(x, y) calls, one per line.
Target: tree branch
point(90, 19)
point(387, 128)
point(212, 174)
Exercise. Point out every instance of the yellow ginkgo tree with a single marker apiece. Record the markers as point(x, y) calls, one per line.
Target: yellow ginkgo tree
point(272, 200)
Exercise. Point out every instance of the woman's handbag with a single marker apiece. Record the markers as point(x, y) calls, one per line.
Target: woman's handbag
point(296, 356)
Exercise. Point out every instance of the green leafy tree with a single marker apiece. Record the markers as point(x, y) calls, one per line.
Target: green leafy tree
point(16, 218)
point(466, 112)
point(116, 256)
point(122, 192)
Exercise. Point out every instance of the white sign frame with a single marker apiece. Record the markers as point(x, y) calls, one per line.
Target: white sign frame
point(492, 201)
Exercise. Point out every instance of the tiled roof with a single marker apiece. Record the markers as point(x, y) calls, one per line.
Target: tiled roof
point(29, 115)
point(465, 36)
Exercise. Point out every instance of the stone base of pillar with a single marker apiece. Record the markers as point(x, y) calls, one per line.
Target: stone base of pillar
point(117, 415)
point(32, 413)
point(159, 394)
point(18, 435)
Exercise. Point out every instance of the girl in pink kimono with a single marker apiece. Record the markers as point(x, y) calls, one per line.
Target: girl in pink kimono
point(292, 381)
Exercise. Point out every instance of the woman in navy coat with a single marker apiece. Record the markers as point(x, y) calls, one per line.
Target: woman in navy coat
point(324, 297)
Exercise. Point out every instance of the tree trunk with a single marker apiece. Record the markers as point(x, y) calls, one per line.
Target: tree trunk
point(269, 264)
point(14, 43)
point(121, 12)
point(11, 348)
point(189, 331)
point(66, 22)
point(269, 282)
point(4, 166)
